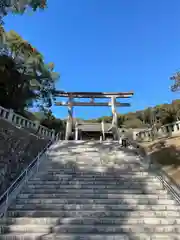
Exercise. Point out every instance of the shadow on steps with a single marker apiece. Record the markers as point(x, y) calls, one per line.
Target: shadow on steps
point(87, 201)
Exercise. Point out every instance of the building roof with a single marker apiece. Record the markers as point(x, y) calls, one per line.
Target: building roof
point(93, 127)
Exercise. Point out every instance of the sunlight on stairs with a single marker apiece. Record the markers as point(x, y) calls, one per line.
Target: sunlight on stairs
point(92, 191)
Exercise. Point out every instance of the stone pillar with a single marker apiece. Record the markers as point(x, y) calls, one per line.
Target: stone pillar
point(60, 136)
point(76, 131)
point(10, 116)
point(37, 124)
point(69, 123)
point(53, 134)
point(103, 132)
point(114, 113)
point(115, 119)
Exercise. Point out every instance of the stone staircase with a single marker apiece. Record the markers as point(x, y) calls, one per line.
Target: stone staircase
point(92, 191)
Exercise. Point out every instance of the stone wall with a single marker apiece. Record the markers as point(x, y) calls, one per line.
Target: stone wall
point(18, 148)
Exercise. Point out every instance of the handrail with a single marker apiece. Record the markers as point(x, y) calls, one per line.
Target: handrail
point(163, 177)
point(167, 180)
point(169, 188)
point(4, 197)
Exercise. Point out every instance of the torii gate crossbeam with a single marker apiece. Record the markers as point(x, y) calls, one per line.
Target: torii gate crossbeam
point(92, 96)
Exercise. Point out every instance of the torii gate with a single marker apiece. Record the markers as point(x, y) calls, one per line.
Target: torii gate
point(92, 96)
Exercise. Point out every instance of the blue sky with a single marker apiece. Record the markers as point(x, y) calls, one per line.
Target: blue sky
point(108, 45)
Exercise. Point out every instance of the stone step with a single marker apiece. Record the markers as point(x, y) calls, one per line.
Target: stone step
point(26, 228)
point(129, 236)
point(115, 182)
point(27, 236)
point(97, 174)
point(97, 207)
point(142, 200)
point(76, 185)
point(101, 166)
point(90, 221)
point(92, 178)
point(85, 174)
point(37, 236)
point(67, 160)
point(86, 156)
point(102, 180)
point(160, 193)
point(115, 229)
point(76, 213)
point(66, 228)
point(84, 191)
point(85, 159)
point(88, 179)
point(128, 168)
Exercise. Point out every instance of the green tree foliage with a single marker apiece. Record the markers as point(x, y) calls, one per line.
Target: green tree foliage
point(169, 113)
point(133, 123)
point(121, 119)
point(157, 116)
point(25, 79)
point(176, 82)
point(20, 6)
point(51, 122)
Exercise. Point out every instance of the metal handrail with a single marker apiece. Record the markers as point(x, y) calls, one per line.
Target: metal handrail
point(161, 175)
point(5, 196)
point(168, 184)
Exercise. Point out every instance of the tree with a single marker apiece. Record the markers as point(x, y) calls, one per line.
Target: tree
point(24, 75)
point(140, 116)
point(169, 114)
point(121, 119)
point(19, 6)
point(150, 117)
point(15, 93)
point(51, 122)
point(176, 85)
point(106, 119)
point(133, 123)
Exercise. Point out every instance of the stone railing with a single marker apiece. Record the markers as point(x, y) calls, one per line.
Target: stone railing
point(168, 130)
point(18, 120)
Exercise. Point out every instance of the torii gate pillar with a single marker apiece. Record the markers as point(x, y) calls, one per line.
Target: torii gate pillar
point(114, 126)
point(69, 123)
point(114, 113)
